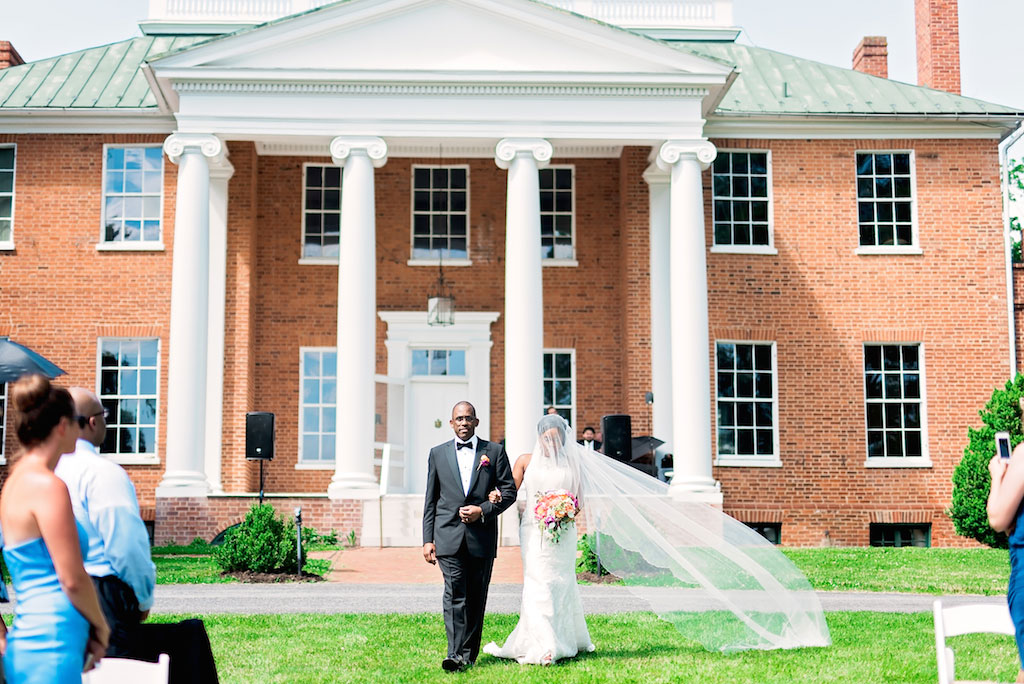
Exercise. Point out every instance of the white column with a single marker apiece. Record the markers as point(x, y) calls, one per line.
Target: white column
point(661, 333)
point(690, 332)
point(357, 317)
point(524, 296)
point(220, 174)
point(190, 282)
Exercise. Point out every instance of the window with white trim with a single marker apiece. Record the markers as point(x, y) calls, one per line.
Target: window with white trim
point(741, 199)
point(557, 212)
point(560, 382)
point(133, 191)
point(318, 404)
point(438, 362)
point(745, 391)
point(128, 389)
point(7, 159)
point(885, 199)
point(440, 212)
point(893, 383)
point(3, 418)
point(321, 210)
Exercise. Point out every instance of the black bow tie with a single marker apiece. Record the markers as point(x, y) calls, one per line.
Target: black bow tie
point(463, 445)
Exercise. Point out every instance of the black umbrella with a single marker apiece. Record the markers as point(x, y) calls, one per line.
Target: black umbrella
point(16, 361)
point(645, 444)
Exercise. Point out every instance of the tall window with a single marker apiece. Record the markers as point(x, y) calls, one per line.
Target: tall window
point(321, 211)
point(746, 398)
point(133, 181)
point(740, 191)
point(439, 362)
point(440, 212)
point(129, 370)
point(7, 153)
point(319, 402)
point(557, 205)
point(885, 199)
point(893, 392)
point(560, 382)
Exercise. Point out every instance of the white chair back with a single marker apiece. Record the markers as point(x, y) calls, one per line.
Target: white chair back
point(974, 618)
point(126, 671)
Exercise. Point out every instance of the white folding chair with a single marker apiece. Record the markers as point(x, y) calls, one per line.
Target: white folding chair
point(126, 671)
point(974, 618)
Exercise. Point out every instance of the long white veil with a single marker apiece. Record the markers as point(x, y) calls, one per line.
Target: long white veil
point(718, 581)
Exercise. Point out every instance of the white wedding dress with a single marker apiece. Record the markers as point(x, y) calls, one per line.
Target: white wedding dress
point(551, 623)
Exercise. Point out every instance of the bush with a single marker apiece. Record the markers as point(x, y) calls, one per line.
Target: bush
point(586, 559)
point(971, 480)
point(263, 542)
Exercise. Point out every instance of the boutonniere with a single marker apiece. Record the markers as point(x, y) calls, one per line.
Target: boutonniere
point(484, 462)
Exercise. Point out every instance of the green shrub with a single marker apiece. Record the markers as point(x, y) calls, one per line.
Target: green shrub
point(586, 559)
point(263, 542)
point(971, 479)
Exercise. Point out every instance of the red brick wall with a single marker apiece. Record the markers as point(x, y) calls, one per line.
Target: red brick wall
point(871, 56)
point(937, 27)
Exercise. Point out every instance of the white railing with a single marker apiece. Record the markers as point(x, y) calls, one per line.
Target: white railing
point(388, 464)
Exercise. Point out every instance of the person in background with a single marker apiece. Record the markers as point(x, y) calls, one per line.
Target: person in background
point(590, 439)
point(1005, 514)
point(551, 410)
point(118, 557)
point(59, 629)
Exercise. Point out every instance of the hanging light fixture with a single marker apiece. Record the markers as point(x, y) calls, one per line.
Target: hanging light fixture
point(441, 302)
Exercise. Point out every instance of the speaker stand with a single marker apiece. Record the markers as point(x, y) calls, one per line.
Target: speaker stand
point(261, 482)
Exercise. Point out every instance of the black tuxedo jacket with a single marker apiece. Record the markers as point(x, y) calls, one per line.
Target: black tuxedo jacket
point(444, 497)
point(597, 444)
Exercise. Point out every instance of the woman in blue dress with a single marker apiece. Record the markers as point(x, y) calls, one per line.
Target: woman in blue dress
point(58, 628)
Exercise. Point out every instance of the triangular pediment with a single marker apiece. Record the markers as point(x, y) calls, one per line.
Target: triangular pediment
point(436, 37)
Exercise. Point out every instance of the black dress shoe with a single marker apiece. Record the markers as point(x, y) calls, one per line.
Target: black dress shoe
point(453, 663)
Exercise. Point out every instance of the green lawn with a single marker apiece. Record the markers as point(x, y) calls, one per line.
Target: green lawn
point(913, 570)
point(868, 647)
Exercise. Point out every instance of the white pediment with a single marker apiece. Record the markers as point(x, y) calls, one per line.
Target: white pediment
point(430, 38)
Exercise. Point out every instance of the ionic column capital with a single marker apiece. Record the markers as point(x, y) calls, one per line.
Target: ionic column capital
point(674, 151)
point(210, 146)
point(655, 175)
point(344, 147)
point(508, 149)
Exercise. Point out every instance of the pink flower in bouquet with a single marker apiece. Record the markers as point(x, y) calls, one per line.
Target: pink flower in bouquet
point(484, 462)
point(555, 510)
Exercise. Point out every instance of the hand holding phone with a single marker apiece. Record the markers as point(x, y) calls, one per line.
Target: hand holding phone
point(1003, 445)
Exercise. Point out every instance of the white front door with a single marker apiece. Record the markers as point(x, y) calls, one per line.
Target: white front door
point(431, 400)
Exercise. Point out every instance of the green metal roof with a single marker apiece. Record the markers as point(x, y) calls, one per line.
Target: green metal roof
point(105, 77)
point(773, 83)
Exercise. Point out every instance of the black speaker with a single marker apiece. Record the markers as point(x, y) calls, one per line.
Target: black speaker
point(617, 436)
point(259, 436)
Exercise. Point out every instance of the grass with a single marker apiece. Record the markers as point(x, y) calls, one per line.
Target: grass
point(910, 570)
point(194, 564)
point(867, 647)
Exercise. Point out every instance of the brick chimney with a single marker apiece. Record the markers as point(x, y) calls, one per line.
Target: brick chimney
point(8, 55)
point(872, 56)
point(938, 44)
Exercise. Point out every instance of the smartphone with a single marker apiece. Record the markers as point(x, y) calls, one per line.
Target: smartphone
point(1003, 445)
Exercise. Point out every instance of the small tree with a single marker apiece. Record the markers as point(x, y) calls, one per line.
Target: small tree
point(1015, 183)
point(263, 542)
point(971, 479)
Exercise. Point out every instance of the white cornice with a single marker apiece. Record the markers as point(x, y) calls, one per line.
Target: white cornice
point(39, 120)
point(440, 149)
point(819, 127)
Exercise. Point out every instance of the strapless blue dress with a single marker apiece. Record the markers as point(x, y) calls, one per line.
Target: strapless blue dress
point(46, 643)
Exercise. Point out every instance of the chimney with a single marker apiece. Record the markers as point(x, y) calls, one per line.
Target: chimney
point(872, 56)
point(8, 55)
point(938, 44)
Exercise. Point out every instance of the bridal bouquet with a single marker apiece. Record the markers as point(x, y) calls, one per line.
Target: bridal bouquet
point(555, 510)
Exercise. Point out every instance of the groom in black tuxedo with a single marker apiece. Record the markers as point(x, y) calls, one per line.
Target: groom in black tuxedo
point(460, 528)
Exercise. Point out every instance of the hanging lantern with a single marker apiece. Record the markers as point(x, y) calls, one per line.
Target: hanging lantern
point(441, 302)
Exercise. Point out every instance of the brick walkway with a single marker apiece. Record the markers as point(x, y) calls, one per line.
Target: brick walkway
point(405, 565)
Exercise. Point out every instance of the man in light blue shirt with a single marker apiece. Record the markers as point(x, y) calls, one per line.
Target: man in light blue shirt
point(104, 503)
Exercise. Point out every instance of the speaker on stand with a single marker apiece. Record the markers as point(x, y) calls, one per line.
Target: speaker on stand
point(617, 437)
point(259, 440)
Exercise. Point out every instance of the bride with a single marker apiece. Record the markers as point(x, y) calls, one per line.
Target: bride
point(551, 624)
point(717, 581)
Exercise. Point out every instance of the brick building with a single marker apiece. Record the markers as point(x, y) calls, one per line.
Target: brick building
point(832, 307)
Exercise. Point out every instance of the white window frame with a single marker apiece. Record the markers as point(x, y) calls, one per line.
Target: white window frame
point(915, 246)
point(565, 261)
point(123, 246)
point(9, 244)
point(414, 261)
point(754, 461)
point(4, 421)
point(317, 260)
point(747, 249)
point(922, 461)
point(572, 380)
point(301, 464)
point(132, 459)
point(439, 347)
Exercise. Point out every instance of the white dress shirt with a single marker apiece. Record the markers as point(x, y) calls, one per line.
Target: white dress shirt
point(466, 457)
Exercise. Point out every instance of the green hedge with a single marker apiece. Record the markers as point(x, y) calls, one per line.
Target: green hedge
point(264, 542)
